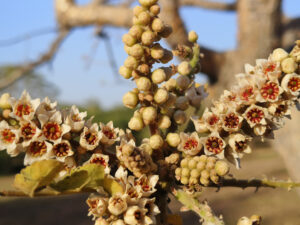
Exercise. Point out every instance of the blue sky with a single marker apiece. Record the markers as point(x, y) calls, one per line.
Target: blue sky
point(70, 72)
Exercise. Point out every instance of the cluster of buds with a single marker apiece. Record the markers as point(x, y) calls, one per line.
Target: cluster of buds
point(133, 207)
point(201, 170)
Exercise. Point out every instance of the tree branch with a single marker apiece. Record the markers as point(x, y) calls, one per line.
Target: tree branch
point(22, 70)
point(290, 32)
point(209, 4)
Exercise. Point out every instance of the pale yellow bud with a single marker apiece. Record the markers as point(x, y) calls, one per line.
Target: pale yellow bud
point(125, 72)
point(221, 168)
point(164, 122)
point(192, 164)
point(200, 165)
point(279, 54)
point(136, 51)
point(288, 65)
point(170, 84)
point(195, 173)
point(178, 171)
point(143, 83)
point(158, 76)
point(127, 49)
point(180, 117)
point(136, 123)
point(6, 115)
point(157, 52)
point(205, 174)
point(128, 40)
point(204, 181)
point(144, 18)
point(138, 9)
point(130, 100)
point(185, 172)
point(149, 114)
point(183, 82)
point(101, 221)
point(156, 141)
point(161, 96)
point(184, 68)
point(148, 37)
point(157, 25)
point(193, 36)
point(184, 162)
point(147, 3)
point(4, 101)
point(136, 31)
point(173, 139)
point(184, 180)
point(182, 103)
point(131, 63)
point(155, 9)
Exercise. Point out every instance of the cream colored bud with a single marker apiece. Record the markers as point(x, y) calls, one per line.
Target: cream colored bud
point(156, 141)
point(101, 221)
point(149, 114)
point(147, 3)
point(137, 51)
point(144, 69)
point(158, 76)
point(127, 49)
point(128, 40)
point(184, 180)
point(6, 113)
point(161, 96)
point(117, 205)
point(4, 101)
point(138, 9)
point(183, 82)
point(193, 180)
point(192, 164)
point(148, 37)
point(136, 123)
point(288, 65)
point(200, 165)
point(205, 174)
point(178, 171)
point(168, 56)
point(173, 139)
point(125, 72)
point(130, 100)
point(195, 173)
point(193, 36)
point(147, 148)
point(170, 85)
point(221, 168)
point(118, 222)
point(136, 31)
point(173, 158)
point(180, 117)
point(164, 122)
point(184, 162)
point(157, 52)
point(157, 25)
point(155, 9)
point(166, 32)
point(204, 181)
point(182, 103)
point(244, 221)
point(279, 54)
point(185, 172)
point(143, 83)
point(184, 68)
point(131, 63)
point(215, 179)
point(144, 18)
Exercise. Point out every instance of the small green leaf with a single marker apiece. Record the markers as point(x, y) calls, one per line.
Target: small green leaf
point(37, 175)
point(112, 186)
point(95, 174)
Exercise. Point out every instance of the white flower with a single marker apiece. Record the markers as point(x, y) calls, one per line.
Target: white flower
point(291, 84)
point(90, 137)
point(8, 139)
point(190, 143)
point(230, 98)
point(46, 108)
point(214, 145)
point(232, 121)
point(62, 150)
point(146, 185)
point(134, 194)
point(29, 132)
point(151, 209)
point(209, 121)
point(75, 119)
point(97, 206)
point(100, 159)
point(53, 128)
point(135, 216)
point(246, 89)
point(278, 110)
point(117, 204)
point(109, 133)
point(24, 108)
point(268, 69)
point(269, 92)
point(255, 115)
point(36, 151)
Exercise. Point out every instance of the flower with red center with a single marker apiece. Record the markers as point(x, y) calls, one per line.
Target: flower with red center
point(62, 150)
point(269, 91)
point(144, 184)
point(90, 137)
point(189, 143)
point(29, 132)
point(255, 115)
point(270, 70)
point(8, 138)
point(100, 159)
point(97, 206)
point(291, 84)
point(209, 121)
point(247, 93)
point(151, 209)
point(109, 133)
point(52, 131)
point(231, 121)
point(75, 119)
point(214, 145)
point(36, 151)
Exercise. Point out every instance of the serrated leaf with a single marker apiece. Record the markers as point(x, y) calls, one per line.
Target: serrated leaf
point(112, 186)
point(73, 182)
point(37, 175)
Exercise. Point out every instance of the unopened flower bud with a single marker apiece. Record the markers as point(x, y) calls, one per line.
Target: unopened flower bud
point(117, 204)
point(143, 83)
point(130, 100)
point(128, 40)
point(178, 171)
point(184, 162)
point(131, 62)
point(164, 122)
point(205, 174)
point(196, 101)
point(136, 123)
point(144, 18)
point(147, 3)
point(157, 25)
point(195, 173)
point(279, 54)
point(185, 172)
point(148, 37)
point(136, 31)
point(4, 101)
point(184, 68)
point(173, 158)
point(193, 36)
point(184, 180)
point(101, 221)
point(168, 56)
point(138, 9)
point(183, 82)
point(155, 9)
point(156, 141)
point(118, 222)
point(125, 72)
point(134, 215)
point(127, 149)
point(149, 114)
point(182, 103)
point(173, 139)
point(157, 52)
point(215, 179)
point(288, 65)
point(161, 96)
point(221, 168)
point(200, 165)
point(204, 181)
point(192, 164)
point(158, 76)
point(5, 113)
point(137, 51)
point(179, 117)
point(170, 84)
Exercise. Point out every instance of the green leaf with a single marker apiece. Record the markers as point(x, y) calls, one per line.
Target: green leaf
point(95, 174)
point(112, 186)
point(37, 175)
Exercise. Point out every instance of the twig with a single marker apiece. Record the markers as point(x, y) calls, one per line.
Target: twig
point(209, 4)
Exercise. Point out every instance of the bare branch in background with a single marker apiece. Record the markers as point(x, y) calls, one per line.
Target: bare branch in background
point(290, 31)
point(22, 70)
point(209, 4)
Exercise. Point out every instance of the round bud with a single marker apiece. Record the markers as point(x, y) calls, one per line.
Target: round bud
point(195, 173)
point(147, 148)
point(179, 117)
point(170, 84)
point(288, 65)
point(148, 37)
point(178, 171)
point(215, 179)
point(184, 180)
point(166, 32)
point(196, 101)
point(184, 68)
point(205, 174)
point(168, 56)
point(125, 72)
point(6, 113)
point(118, 222)
point(138, 9)
point(4, 101)
point(185, 172)
point(149, 114)
point(161, 96)
point(197, 158)
point(173, 139)
point(143, 84)
point(158, 76)
point(130, 100)
point(182, 103)
point(279, 54)
point(193, 181)
point(157, 52)
point(183, 82)
point(210, 165)
point(155, 10)
point(184, 162)
point(137, 51)
point(128, 40)
point(136, 31)
point(144, 18)
point(157, 25)
point(156, 141)
point(131, 63)
point(200, 165)
point(164, 122)
point(204, 181)
point(144, 69)
point(127, 49)
point(221, 168)
point(192, 164)
point(211, 159)
point(147, 3)
point(136, 123)
point(203, 158)
point(193, 36)
point(101, 221)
